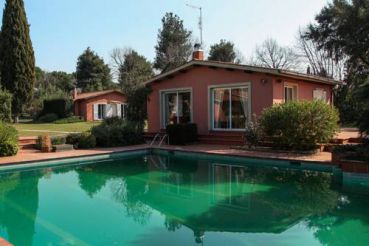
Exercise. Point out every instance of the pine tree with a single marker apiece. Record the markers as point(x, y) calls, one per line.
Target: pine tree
point(18, 60)
point(92, 73)
point(174, 44)
point(134, 71)
point(223, 51)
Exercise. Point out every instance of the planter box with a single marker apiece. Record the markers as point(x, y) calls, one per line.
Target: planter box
point(351, 166)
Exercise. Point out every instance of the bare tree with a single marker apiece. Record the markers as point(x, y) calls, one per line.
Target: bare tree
point(117, 58)
point(319, 61)
point(270, 54)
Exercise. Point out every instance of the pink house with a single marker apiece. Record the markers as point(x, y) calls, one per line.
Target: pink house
point(220, 97)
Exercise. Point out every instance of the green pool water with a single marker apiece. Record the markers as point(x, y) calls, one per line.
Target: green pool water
point(164, 200)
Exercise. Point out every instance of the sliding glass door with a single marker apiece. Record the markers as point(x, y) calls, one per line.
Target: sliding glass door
point(176, 107)
point(230, 108)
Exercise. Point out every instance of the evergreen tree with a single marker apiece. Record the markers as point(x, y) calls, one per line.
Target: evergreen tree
point(224, 51)
point(18, 61)
point(92, 73)
point(174, 44)
point(134, 71)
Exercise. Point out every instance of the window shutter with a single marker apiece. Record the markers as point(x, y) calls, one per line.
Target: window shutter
point(95, 109)
point(119, 110)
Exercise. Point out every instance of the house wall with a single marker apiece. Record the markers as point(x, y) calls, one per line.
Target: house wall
point(304, 90)
point(84, 108)
point(199, 79)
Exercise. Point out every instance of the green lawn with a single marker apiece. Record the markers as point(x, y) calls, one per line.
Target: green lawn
point(36, 129)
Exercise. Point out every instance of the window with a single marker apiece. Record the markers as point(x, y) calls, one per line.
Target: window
point(123, 110)
point(101, 109)
point(230, 107)
point(176, 107)
point(290, 92)
point(319, 94)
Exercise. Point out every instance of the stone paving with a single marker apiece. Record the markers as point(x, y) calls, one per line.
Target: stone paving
point(26, 155)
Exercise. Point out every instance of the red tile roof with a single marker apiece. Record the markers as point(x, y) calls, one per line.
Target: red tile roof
point(88, 95)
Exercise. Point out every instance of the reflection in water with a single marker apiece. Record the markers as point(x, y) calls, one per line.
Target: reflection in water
point(201, 195)
point(18, 205)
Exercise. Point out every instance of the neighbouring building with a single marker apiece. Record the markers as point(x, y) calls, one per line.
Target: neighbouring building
point(220, 97)
point(98, 105)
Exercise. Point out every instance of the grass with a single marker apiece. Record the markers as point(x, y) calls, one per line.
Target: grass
point(37, 129)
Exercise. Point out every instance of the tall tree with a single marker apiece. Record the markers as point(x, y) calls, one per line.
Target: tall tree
point(92, 73)
point(224, 51)
point(319, 60)
point(341, 28)
point(174, 44)
point(133, 71)
point(272, 55)
point(18, 66)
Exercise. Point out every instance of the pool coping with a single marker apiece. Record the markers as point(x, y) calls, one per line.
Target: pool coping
point(145, 149)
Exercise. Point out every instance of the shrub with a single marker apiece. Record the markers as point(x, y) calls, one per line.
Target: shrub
point(117, 132)
point(58, 140)
point(300, 125)
point(5, 106)
point(253, 133)
point(358, 152)
point(47, 118)
point(55, 106)
point(71, 119)
point(181, 134)
point(83, 140)
point(8, 140)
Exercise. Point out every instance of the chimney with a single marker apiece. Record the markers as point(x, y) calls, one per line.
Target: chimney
point(198, 53)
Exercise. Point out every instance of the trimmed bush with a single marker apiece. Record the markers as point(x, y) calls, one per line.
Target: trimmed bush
point(181, 134)
point(83, 140)
point(5, 106)
point(55, 106)
point(115, 132)
point(47, 118)
point(8, 140)
point(71, 119)
point(300, 125)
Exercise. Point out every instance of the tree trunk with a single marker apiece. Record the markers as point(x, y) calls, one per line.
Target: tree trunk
point(16, 119)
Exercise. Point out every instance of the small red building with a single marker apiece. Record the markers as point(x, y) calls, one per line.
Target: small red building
point(94, 106)
point(220, 97)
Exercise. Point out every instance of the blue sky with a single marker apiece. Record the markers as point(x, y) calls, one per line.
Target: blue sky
point(62, 29)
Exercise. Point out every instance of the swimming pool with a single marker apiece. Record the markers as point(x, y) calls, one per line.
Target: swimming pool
point(164, 199)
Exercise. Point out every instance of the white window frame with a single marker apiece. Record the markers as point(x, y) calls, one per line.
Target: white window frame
point(98, 106)
point(324, 93)
point(211, 104)
point(295, 91)
point(162, 105)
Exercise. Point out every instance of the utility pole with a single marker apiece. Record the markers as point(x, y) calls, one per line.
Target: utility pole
point(200, 20)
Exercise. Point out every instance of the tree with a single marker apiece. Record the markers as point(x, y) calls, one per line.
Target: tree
point(134, 71)
point(224, 51)
point(271, 55)
point(18, 66)
point(92, 73)
point(174, 44)
point(341, 30)
point(320, 61)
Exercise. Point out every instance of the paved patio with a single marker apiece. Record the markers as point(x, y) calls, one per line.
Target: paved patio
point(27, 155)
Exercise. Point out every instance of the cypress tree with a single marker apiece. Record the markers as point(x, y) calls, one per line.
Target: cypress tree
point(18, 60)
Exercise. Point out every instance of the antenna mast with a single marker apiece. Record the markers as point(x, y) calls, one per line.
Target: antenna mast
point(200, 19)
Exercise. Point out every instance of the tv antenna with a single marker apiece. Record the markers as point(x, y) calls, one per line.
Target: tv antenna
point(200, 19)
